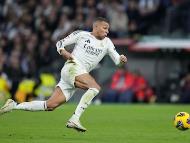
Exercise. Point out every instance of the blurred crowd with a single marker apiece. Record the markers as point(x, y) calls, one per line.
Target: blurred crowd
point(176, 87)
point(128, 87)
point(29, 29)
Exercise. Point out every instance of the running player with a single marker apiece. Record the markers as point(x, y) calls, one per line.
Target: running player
point(90, 48)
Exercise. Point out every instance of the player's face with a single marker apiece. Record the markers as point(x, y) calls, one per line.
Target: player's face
point(102, 29)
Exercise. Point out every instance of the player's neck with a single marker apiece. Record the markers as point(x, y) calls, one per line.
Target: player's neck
point(96, 35)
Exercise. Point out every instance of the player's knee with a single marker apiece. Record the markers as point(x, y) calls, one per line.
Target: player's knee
point(98, 88)
point(93, 84)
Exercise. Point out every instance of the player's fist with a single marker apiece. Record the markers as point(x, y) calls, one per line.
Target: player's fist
point(123, 59)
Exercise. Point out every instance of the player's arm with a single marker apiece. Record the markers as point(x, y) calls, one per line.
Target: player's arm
point(118, 59)
point(66, 54)
point(70, 39)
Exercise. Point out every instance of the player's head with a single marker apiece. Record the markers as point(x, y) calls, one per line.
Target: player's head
point(100, 27)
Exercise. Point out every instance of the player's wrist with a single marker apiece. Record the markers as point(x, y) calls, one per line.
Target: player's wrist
point(62, 51)
point(66, 54)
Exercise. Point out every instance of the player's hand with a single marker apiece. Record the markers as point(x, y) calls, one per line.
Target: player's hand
point(123, 59)
point(66, 55)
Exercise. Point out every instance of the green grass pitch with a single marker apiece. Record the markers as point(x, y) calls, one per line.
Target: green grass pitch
point(105, 124)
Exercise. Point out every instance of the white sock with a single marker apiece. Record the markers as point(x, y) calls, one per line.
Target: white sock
point(32, 106)
point(85, 102)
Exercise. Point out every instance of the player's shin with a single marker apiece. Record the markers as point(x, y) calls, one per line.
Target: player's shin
point(32, 106)
point(85, 102)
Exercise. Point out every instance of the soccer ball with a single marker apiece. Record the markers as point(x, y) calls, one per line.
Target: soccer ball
point(182, 121)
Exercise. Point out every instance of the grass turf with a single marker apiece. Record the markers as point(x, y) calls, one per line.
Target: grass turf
point(105, 124)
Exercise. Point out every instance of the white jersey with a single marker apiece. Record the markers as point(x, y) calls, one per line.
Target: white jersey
point(88, 50)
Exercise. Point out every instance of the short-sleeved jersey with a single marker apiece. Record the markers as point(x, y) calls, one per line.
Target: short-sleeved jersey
point(88, 50)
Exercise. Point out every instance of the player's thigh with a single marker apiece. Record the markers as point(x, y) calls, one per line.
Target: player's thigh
point(56, 99)
point(86, 81)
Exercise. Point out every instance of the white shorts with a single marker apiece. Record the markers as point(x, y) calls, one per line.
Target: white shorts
point(70, 70)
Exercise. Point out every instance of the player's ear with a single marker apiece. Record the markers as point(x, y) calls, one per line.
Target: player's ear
point(94, 25)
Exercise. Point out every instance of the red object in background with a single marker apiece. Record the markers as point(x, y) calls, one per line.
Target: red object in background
point(127, 83)
point(142, 90)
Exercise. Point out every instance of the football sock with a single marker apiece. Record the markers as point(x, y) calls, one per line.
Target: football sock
point(32, 106)
point(85, 102)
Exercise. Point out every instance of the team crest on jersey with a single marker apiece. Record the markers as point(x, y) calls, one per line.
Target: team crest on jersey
point(87, 41)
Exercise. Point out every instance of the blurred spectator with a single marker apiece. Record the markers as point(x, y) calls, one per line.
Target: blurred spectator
point(63, 28)
point(150, 13)
point(142, 91)
point(4, 45)
point(2, 61)
point(13, 71)
point(4, 85)
point(90, 8)
point(28, 63)
point(102, 8)
point(171, 88)
point(44, 8)
point(185, 89)
point(78, 21)
point(134, 17)
point(52, 21)
point(44, 55)
point(121, 87)
point(88, 24)
point(147, 7)
point(178, 17)
point(116, 12)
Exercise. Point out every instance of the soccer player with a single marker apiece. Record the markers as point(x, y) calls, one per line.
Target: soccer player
point(90, 48)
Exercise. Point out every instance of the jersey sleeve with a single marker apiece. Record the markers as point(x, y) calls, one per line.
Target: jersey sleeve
point(113, 53)
point(70, 39)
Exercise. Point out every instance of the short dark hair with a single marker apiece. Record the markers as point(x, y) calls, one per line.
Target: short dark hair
point(101, 19)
